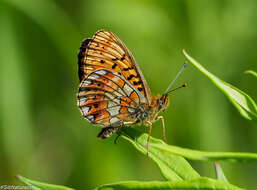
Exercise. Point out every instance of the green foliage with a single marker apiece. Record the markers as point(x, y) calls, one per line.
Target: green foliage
point(138, 140)
point(243, 102)
point(175, 169)
point(41, 186)
point(251, 72)
point(202, 183)
point(172, 166)
point(196, 184)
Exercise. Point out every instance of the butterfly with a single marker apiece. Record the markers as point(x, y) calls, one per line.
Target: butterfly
point(113, 91)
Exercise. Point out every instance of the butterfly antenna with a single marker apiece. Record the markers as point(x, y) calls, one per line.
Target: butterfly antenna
point(172, 82)
point(184, 85)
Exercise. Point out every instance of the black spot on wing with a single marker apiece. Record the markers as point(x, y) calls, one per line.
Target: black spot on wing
point(81, 57)
point(137, 82)
point(140, 89)
point(86, 42)
point(123, 57)
point(131, 76)
point(114, 66)
point(127, 69)
point(94, 115)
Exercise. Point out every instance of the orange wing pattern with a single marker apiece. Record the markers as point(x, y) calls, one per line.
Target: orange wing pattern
point(108, 99)
point(106, 51)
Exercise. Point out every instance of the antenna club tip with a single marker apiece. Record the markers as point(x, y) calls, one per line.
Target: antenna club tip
point(185, 85)
point(185, 64)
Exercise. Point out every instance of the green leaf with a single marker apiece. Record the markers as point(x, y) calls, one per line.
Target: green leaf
point(35, 185)
point(159, 151)
point(219, 173)
point(173, 167)
point(251, 72)
point(207, 156)
point(202, 183)
point(243, 102)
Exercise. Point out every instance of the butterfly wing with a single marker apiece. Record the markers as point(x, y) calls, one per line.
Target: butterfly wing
point(106, 98)
point(106, 51)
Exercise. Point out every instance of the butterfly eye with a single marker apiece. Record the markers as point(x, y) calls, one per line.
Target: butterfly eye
point(144, 114)
point(160, 103)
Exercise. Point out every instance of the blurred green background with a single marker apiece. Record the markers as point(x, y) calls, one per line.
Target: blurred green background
point(44, 137)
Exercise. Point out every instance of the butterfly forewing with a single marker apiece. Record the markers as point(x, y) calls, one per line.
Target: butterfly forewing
point(107, 51)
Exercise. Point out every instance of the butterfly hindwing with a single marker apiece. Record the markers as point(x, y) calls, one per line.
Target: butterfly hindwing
point(107, 98)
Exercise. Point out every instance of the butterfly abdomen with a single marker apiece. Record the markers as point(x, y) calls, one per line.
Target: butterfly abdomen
point(106, 132)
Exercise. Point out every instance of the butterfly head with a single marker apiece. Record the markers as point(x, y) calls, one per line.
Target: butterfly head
point(162, 102)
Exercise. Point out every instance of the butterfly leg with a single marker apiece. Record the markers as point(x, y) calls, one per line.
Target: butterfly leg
point(163, 127)
point(149, 135)
point(119, 131)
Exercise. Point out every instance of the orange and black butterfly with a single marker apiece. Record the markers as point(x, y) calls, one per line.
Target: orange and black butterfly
point(113, 91)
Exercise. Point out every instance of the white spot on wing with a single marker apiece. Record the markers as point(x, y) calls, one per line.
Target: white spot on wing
point(87, 82)
point(111, 103)
point(117, 100)
point(90, 118)
point(120, 91)
point(92, 76)
point(114, 120)
point(128, 90)
point(131, 110)
point(82, 93)
point(109, 95)
point(101, 72)
point(114, 110)
point(82, 101)
point(116, 93)
point(85, 109)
